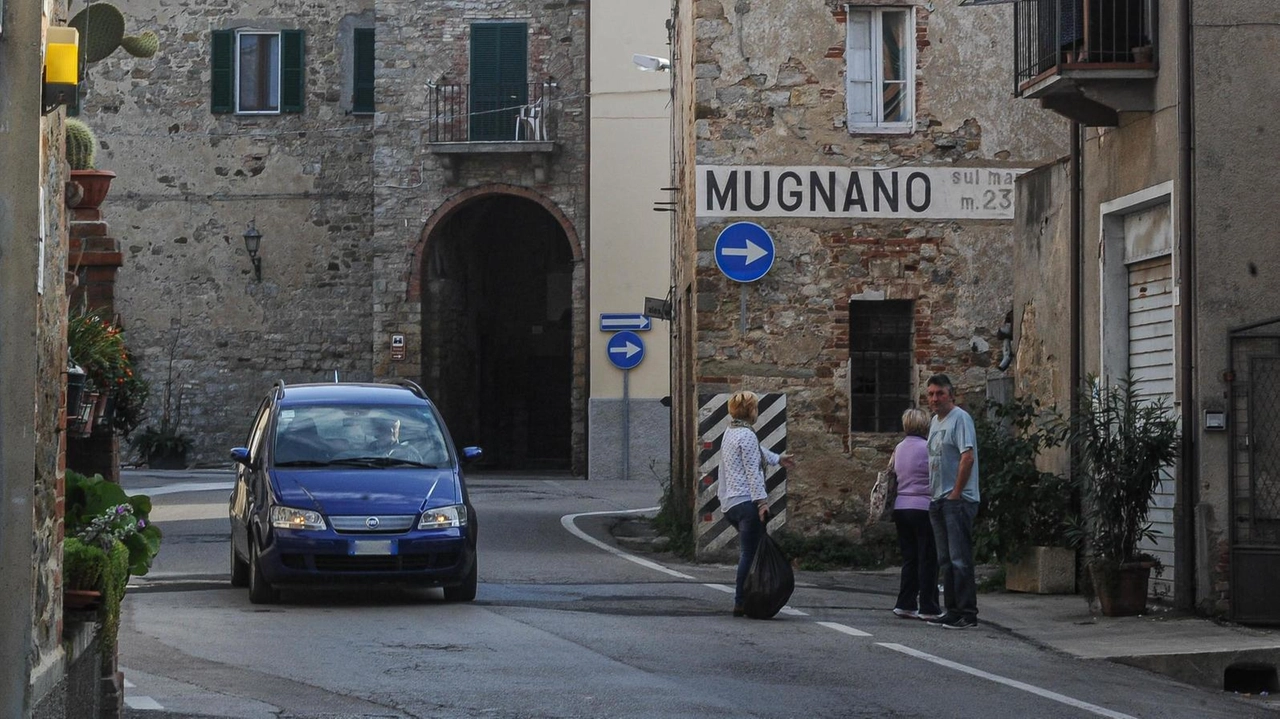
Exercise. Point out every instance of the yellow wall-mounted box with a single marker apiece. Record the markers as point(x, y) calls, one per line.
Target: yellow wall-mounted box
point(61, 52)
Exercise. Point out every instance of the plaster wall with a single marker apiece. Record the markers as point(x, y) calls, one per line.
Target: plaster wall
point(769, 90)
point(1236, 267)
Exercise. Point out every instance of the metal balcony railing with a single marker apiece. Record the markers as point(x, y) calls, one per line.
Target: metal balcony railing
point(503, 112)
point(1056, 35)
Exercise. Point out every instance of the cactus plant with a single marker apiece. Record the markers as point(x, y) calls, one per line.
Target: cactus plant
point(81, 145)
point(101, 27)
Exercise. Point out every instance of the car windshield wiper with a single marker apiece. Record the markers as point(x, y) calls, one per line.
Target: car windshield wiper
point(381, 462)
point(303, 463)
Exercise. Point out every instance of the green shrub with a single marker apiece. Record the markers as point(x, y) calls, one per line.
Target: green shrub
point(82, 565)
point(829, 551)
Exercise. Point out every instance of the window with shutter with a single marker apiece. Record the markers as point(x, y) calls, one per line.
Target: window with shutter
point(256, 72)
point(362, 72)
point(880, 69)
point(499, 79)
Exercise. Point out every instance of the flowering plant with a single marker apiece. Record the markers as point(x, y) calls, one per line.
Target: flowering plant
point(115, 524)
point(97, 345)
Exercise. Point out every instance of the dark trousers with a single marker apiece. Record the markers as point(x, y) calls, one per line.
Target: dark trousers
point(918, 588)
point(746, 517)
point(952, 521)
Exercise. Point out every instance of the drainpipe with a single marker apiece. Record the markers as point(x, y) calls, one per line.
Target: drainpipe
point(1184, 591)
point(1077, 268)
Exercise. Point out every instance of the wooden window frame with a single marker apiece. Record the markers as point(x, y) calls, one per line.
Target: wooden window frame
point(264, 73)
point(875, 15)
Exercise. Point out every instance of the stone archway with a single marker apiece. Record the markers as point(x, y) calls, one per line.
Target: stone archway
point(499, 275)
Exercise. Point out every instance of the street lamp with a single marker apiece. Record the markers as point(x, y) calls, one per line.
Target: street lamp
point(252, 243)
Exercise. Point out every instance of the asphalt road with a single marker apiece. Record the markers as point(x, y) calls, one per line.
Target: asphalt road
point(563, 627)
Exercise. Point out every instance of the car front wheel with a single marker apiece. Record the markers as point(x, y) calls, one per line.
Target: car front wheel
point(239, 568)
point(260, 590)
point(466, 591)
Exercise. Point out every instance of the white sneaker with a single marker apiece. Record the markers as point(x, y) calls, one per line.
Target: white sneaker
point(906, 613)
point(930, 617)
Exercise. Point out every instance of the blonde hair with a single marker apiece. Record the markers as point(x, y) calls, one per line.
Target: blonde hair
point(744, 406)
point(915, 422)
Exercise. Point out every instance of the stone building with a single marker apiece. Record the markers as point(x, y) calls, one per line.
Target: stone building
point(873, 141)
point(1150, 253)
point(420, 176)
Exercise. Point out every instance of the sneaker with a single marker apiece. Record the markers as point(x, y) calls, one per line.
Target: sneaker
point(961, 623)
point(943, 619)
point(739, 612)
point(906, 613)
point(929, 617)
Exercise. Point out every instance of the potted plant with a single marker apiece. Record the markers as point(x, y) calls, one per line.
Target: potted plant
point(82, 147)
point(1122, 443)
point(82, 569)
point(1025, 509)
point(97, 346)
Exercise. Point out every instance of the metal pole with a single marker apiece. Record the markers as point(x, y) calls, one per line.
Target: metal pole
point(626, 424)
point(742, 294)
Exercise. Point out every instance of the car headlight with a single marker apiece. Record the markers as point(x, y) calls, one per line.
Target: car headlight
point(444, 517)
point(290, 518)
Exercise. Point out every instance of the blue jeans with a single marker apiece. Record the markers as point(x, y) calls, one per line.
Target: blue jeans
point(952, 521)
point(746, 517)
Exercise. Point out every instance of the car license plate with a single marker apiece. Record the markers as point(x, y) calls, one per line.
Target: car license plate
point(373, 546)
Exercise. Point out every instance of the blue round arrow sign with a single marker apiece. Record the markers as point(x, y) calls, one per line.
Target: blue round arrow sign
point(625, 349)
point(744, 252)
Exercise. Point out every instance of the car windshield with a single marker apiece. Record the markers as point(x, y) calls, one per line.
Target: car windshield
point(373, 436)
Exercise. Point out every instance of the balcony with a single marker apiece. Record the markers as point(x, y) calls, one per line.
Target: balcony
point(1088, 60)
point(469, 120)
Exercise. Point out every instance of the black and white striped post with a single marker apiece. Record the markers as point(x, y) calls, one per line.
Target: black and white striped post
point(712, 531)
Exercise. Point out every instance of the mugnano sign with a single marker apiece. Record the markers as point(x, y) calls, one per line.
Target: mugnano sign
point(942, 193)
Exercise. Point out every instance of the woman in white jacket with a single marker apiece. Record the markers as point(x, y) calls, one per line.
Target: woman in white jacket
point(743, 497)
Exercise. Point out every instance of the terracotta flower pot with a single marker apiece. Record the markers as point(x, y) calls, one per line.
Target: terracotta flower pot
point(96, 183)
point(80, 600)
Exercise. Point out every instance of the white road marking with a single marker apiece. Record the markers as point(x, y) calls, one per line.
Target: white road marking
point(128, 684)
point(567, 522)
point(1054, 696)
point(144, 703)
point(181, 488)
point(844, 629)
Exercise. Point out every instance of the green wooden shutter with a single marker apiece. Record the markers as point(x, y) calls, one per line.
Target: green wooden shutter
point(292, 76)
point(222, 80)
point(362, 74)
point(499, 78)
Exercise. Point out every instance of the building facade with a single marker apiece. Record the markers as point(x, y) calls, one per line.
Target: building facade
point(1160, 267)
point(420, 174)
point(874, 144)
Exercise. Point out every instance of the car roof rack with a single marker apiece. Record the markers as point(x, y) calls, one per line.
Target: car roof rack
point(409, 385)
point(279, 389)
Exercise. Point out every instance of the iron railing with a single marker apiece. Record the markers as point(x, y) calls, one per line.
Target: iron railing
point(1053, 35)
point(502, 112)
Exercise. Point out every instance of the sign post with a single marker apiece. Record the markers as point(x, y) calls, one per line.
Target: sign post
point(626, 350)
point(744, 253)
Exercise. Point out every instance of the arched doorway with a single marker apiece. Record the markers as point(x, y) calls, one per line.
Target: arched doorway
point(497, 315)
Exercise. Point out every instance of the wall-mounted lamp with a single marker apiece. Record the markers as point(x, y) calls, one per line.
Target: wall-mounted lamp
point(252, 243)
point(61, 66)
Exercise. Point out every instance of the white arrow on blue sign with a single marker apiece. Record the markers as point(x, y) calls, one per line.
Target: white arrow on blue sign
point(615, 321)
point(744, 252)
point(625, 349)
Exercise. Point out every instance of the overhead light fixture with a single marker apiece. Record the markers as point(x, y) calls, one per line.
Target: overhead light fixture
point(253, 243)
point(649, 63)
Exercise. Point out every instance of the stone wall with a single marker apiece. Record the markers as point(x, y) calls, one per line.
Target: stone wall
point(769, 90)
point(190, 181)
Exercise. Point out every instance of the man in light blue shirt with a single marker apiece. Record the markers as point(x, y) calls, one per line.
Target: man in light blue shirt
point(953, 484)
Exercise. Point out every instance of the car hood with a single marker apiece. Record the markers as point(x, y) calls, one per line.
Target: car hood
point(366, 491)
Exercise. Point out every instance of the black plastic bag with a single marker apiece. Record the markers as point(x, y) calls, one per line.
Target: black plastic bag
point(769, 583)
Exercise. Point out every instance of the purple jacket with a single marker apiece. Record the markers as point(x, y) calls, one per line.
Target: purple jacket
point(911, 462)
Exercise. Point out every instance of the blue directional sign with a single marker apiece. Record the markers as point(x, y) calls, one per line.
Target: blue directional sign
point(744, 252)
point(625, 350)
point(615, 321)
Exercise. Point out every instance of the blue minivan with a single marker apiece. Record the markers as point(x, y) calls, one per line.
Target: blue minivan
point(350, 484)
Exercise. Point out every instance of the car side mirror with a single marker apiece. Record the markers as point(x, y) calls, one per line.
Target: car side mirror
point(240, 455)
point(471, 454)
